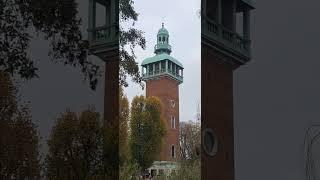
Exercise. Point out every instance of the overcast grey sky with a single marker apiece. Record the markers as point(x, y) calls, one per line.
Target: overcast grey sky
point(276, 94)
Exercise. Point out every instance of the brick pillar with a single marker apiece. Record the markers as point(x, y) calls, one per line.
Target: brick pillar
point(111, 115)
point(217, 114)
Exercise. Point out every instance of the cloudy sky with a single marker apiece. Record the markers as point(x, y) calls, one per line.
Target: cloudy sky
point(276, 95)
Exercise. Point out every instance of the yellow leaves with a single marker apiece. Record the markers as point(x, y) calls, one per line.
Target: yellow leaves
point(154, 103)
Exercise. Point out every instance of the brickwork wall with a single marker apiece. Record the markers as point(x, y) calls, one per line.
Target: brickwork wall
point(217, 114)
point(167, 89)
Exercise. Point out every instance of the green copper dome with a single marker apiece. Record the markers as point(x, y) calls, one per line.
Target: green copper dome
point(163, 31)
point(162, 45)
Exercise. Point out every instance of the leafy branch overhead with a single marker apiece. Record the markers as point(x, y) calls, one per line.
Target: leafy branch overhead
point(58, 21)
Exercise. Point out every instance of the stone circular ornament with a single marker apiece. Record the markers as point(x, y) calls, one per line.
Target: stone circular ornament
point(209, 142)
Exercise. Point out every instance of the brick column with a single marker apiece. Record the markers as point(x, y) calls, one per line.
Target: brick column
point(111, 116)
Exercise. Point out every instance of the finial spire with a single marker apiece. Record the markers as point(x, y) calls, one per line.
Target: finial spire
point(162, 24)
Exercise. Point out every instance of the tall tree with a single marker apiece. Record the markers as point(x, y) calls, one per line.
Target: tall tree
point(75, 146)
point(58, 21)
point(123, 127)
point(147, 130)
point(19, 139)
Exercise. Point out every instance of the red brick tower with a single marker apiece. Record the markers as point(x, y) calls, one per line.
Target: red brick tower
point(163, 74)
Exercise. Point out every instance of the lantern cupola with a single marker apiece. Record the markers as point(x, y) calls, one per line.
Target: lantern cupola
point(162, 45)
point(162, 64)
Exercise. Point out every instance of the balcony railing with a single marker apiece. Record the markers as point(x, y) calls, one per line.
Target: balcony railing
point(162, 46)
point(103, 34)
point(151, 74)
point(228, 38)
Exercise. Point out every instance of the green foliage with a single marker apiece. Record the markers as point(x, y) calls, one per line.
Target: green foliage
point(111, 149)
point(75, 146)
point(129, 171)
point(129, 37)
point(123, 127)
point(147, 130)
point(19, 139)
point(79, 145)
point(188, 170)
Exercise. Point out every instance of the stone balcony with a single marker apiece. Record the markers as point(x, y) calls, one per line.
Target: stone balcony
point(225, 40)
point(104, 41)
point(162, 46)
point(168, 72)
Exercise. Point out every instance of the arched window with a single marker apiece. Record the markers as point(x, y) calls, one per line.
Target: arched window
point(163, 39)
point(159, 39)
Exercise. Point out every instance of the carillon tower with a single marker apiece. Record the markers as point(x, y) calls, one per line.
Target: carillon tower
point(163, 74)
point(223, 50)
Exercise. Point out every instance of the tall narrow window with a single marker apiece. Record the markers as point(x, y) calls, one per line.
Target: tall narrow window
point(172, 151)
point(173, 122)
